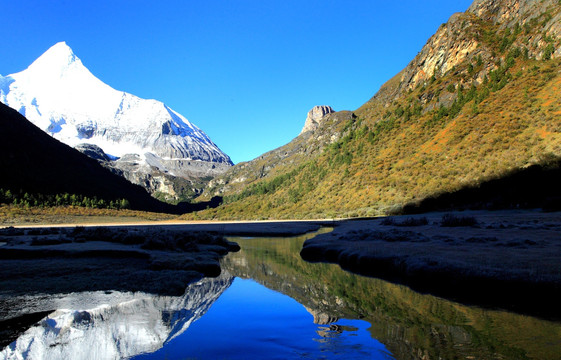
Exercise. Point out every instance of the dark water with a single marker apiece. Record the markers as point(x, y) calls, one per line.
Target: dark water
point(270, 304)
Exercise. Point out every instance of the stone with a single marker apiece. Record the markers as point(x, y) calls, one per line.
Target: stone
point(315, 116)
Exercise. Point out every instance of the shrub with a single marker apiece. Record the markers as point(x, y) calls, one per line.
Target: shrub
point(451, 220)
point(549, 50)
point(390, 221)
point(414, 221)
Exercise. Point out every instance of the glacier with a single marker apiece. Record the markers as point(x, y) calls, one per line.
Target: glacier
point(62, 97)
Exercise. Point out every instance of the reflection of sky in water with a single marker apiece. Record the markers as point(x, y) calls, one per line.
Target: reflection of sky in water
point(251, 321)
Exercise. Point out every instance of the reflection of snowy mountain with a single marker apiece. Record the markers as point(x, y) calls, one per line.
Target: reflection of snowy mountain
point(63, 98)
point(140, 324)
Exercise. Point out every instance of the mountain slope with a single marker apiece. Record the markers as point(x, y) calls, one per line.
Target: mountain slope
point(480, 100)
point(62, 97)
point(33, 162)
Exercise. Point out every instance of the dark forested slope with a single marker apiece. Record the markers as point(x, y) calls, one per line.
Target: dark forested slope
point(32, 162)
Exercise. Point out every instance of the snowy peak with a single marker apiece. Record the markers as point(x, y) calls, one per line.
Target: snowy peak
point(59, 57)
point(63, 98)
point(56, 90)
point(57, 62)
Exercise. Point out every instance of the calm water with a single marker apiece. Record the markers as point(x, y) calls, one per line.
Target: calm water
point(251, 321)
point(270, 304)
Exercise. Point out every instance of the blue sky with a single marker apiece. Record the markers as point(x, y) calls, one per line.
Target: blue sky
point(245, 71)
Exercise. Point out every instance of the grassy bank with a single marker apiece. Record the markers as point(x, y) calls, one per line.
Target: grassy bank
point(506, 260)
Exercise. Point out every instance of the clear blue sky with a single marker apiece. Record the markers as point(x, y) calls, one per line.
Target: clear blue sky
point(245, 71)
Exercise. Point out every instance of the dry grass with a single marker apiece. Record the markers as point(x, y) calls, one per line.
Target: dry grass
point(18, 215)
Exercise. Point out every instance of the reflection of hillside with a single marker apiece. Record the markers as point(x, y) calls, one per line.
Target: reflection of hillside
point(411, 325)
point(140, 323)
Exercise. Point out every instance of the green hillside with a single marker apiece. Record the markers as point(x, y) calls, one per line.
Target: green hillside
point(480, 101)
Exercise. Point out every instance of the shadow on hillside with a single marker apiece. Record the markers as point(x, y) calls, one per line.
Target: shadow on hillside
point(185, 207)
point(534, 187)
point(33, 162)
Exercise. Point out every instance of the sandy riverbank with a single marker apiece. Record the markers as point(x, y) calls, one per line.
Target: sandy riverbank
point(502, 259)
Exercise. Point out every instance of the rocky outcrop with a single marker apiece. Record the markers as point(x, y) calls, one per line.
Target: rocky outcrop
point(321, 318)
point(315, 116)
point(156, 182)
point(509, 12)
point(443, 52)
point(93, 151)
point(524, 13)
point(149, 175)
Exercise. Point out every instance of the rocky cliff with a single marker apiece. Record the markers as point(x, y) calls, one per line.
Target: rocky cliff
point(315, 116)
point(149, 174)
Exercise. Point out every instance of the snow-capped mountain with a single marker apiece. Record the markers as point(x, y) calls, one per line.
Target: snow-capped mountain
point(62, 97)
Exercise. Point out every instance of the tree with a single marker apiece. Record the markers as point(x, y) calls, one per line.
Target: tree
point(124, 204)
point(549, 50)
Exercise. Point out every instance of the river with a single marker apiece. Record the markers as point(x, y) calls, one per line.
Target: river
point(270, 304)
